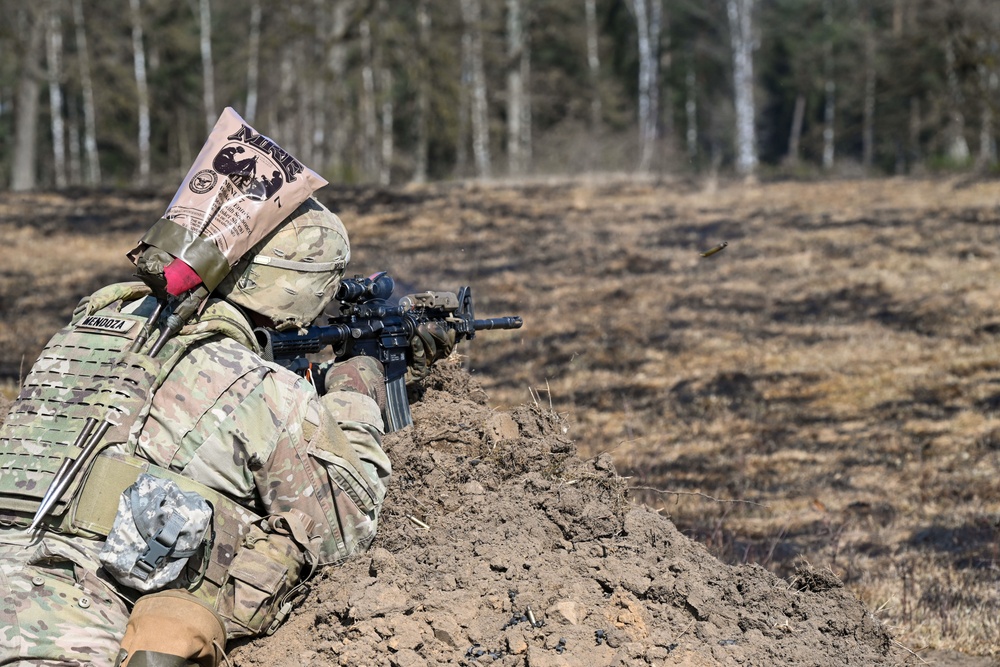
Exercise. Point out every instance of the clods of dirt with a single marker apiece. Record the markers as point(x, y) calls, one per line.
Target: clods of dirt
point(499, 545)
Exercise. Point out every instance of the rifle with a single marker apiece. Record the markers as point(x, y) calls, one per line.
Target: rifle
point(369, 325)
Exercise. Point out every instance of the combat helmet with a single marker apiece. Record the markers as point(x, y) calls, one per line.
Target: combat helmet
point(293, 273)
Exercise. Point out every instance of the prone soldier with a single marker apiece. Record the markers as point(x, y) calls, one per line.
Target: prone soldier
point(219, 485)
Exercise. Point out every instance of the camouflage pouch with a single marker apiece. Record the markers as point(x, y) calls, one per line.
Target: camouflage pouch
point(157, 530)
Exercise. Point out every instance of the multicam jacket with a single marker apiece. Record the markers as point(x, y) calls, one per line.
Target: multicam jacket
point(254, 438)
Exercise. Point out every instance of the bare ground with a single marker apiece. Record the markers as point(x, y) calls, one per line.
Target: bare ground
point(819, 399)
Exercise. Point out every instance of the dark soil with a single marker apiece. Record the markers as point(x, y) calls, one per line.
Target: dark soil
point(492, 520)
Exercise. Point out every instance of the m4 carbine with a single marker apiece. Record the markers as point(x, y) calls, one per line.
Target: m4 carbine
point(369, 325)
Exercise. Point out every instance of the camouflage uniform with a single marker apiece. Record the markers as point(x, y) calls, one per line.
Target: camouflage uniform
point(224, 418)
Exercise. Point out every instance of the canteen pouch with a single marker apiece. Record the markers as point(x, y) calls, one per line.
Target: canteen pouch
point(157, 530)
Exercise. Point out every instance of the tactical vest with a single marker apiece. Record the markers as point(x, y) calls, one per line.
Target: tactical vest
point(86, 377)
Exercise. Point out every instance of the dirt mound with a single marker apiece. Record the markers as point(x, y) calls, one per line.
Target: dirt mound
point(498, 545)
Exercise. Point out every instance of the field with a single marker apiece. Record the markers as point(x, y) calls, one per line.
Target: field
point(825, 390)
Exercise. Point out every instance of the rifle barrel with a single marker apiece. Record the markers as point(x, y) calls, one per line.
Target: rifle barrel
point(512, 322)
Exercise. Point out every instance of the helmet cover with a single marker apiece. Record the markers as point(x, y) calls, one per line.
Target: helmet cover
point(293, 273)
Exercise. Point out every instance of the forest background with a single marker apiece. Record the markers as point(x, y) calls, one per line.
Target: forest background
point(372, 91)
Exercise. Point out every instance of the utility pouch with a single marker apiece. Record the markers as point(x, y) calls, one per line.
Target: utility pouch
point(156, 532)
point(261, 584)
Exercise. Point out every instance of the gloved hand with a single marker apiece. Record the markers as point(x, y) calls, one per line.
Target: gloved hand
point(431, 342)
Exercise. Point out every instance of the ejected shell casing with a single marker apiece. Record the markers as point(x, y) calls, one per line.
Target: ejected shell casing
point(718, 248)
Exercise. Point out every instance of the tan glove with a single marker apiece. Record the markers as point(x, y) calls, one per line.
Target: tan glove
point(172, 628)
point(431, 342)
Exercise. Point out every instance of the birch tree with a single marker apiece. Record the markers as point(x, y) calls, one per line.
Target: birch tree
point(54, 53)
point(207, 68)
point(515, 87)
point(868, 104)
point(829, 90)
point(423, 73)
point(647, 14)
point(957, 146)
point(691, 112)
point(593, 64)
point(368, 110)
point(253, 62)
point(740, 13)
point(337, 63)
point(385, 171)
point(23, 169)
point(471, 19)
point(989, 83)
point(87, 90)
point(142, 92)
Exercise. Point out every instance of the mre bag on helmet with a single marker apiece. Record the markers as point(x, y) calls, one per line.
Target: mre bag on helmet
point(293, 274)
point(157, 530)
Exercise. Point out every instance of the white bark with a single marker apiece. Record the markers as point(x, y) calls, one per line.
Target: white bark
point(593, 64)
point(795, 134)
point(207, 68)
point(423, 41)
point(142, 91)
point(740, 14)
point(515, 164)
point(368, 111)
point(23, 169)
point(829, 118)
point(87, 89)
point(648, 33)
point(958, 147)
point(691, 112)
point(830, 96)
point(385, 171)
point(54, 48)
point(253, 62)
point(480, 109)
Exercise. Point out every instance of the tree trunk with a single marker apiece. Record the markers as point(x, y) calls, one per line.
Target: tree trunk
point(594, 65)
point(368, 111)
point(423, 73)
point(207, 69)
point(691, 112)
point(989, 83)
point(526, 132)
point(480, 110)
point(957, 147)
point(916, 127)
point(23, 169)
point(385, 172)
point(142, 90)
point(73, 136)
point(342, 118)
point(54, 48)
point(87, 89)
point(515, 43)
point(830, 93)
point(464, 106)
point(647, 27)
point(868, 121)
point(253, 62)
point(795, 135)
point(740, 14)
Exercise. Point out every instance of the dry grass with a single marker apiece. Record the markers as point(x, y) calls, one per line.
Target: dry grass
point(835, 370)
